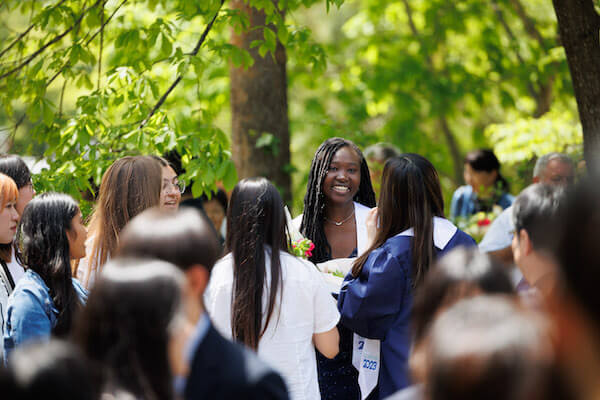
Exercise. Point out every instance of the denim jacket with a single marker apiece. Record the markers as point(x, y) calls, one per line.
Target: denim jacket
point(31, 313)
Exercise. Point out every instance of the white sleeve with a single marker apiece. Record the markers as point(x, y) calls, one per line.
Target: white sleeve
point(326, 314)
point(499, 235)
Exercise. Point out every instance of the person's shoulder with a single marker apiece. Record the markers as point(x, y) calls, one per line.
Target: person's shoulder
point(296, 267)
point(464, 190)
point(230, 369)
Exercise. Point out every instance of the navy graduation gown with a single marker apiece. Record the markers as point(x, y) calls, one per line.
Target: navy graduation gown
point(378, 303)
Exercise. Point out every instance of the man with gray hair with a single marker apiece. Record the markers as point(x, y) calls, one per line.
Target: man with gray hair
point(553, 169)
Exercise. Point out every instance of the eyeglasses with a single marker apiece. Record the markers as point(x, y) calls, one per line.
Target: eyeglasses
point(176, 185)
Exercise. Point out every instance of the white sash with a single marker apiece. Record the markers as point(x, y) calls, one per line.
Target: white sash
point(366, 359)
point(366, 354)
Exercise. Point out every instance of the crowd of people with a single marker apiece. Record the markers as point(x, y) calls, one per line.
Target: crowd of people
point(156, 298)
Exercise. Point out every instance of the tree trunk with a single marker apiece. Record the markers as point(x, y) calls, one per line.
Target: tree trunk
point(259, 107)
point(579, 26)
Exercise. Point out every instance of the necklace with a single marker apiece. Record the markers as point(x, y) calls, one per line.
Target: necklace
point(342, 221)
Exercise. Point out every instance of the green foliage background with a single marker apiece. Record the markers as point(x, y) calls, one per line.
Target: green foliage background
point(430, 76)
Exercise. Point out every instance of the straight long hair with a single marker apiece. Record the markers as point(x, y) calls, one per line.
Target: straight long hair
point(314, 200)
point(410, 197)
point(44, 248)
point(255, 219)
point(129, 186)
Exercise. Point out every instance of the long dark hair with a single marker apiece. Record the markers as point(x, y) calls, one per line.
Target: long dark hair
point(410, 197)
point(314, 200)
point(255, 219)
point(124, 329)
point(44, 248)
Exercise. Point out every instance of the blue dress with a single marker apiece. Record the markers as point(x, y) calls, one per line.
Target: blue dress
point(378, 303)
point(465, 202)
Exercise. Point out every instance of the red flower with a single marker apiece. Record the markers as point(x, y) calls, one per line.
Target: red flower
point(484, 222)
point(312, 247)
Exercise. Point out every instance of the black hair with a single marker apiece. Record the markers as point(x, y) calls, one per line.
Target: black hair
point(255, 219)
point(220, 196)
point(535, 210)
point(314, 200)
point(50, 370)
point(461, 268)
point(125, 327)
point(411, 196)
point(487, 347)
point(184, 238)
point(15, 167)
point(578, 244)
point(44, 248)
point(486, 160)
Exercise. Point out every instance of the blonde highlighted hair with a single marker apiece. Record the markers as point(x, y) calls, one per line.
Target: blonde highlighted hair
point(8, 193)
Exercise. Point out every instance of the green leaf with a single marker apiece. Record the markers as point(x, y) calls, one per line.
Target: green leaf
point(230, 176)
point(270, 39)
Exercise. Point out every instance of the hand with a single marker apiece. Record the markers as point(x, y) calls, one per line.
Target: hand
point(372, 223)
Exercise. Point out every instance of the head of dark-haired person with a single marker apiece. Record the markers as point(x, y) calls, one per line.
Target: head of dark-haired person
point(411, 196)
point(486, 186)
point(128, 326)
point(488, 347)
point(319, 193)
point(575, 306)
point(255, 221)
point(15, 167)
point(185, 238)
point(51, 234)
point(215, 207)
point(463, 272)
point(50, 370)
point(535, 213)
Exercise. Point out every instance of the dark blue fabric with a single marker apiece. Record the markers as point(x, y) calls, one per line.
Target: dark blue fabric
point(377, 305)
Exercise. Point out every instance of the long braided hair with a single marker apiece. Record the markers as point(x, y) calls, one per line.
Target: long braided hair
point(314, 200)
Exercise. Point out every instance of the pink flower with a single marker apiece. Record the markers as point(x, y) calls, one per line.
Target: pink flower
point(308, 253)
point(312, 247)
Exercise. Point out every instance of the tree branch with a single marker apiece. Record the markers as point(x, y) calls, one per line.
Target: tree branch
point(48, 44)
point(180, 77)
point(24, 33)
point(101, 45)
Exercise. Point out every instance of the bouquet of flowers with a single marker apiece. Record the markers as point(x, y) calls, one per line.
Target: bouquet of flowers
point(298, 245)
point(477, 224)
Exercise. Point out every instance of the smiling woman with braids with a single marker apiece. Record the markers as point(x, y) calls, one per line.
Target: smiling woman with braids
point(338, 197)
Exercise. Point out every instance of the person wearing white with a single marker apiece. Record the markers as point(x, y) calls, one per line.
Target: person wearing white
point(267, 299)
point(306, 308)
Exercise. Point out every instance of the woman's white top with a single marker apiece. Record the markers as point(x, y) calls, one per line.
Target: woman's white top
point(360, 217)
point(306, 308)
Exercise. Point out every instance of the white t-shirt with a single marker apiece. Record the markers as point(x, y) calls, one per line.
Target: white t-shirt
point(306, 307)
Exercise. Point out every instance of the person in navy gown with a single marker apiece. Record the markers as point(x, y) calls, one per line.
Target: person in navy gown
point(408, 232)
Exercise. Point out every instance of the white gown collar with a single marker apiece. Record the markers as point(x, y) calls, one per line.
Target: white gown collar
point(443, 231)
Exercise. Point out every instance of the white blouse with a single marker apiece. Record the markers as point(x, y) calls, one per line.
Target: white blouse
point(306, 308)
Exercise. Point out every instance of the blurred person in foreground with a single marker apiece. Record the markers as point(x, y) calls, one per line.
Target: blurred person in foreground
point(575, 306)
point(552, 169)
point(213, 367)
point(462, 273)
point(488, 347)
point(48, 370)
